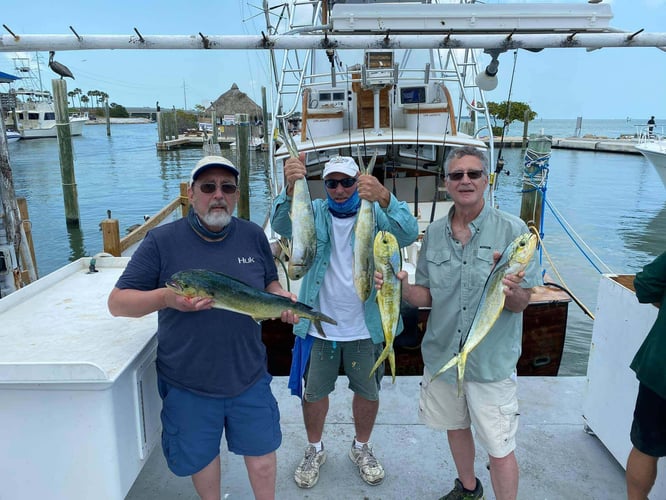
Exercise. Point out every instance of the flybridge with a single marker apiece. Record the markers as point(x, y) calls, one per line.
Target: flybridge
point(391, 26)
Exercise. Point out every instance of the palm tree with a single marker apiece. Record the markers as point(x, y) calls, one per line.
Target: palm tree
point(85, 100)
point(71, 94)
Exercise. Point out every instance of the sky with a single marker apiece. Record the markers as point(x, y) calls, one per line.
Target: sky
point(556, 83)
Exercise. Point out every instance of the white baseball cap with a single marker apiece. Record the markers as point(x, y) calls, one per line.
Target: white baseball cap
point(212, 161)
point(342, 164)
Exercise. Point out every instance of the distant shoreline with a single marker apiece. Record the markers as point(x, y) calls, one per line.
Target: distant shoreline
point(102, 121)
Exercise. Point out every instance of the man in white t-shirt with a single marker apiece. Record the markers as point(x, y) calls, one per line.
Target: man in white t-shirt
point(356, 341)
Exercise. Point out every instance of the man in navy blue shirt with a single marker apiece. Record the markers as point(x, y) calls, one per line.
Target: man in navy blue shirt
point(211, 363)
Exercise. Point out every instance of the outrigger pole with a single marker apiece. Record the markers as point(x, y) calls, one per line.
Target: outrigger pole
point(502, 42)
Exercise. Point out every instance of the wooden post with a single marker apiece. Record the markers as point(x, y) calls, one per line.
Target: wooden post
point(213, 122)
point(26, 230)
point(111, 236)
point(107, 116)
point(65, 149)
point(535, 176)
point(526, 123)
point(242, 155)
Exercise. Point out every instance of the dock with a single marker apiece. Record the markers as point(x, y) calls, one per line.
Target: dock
point(191, 141)
point(586, 143)
point(558, 458)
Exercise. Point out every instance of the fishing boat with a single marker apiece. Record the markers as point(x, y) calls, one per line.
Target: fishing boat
point(29, 109)
point(12, 136)
point(406, 109)
point(33, 115)
point(653, 146)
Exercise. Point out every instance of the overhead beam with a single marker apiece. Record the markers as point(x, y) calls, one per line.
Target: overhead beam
point(509, 41)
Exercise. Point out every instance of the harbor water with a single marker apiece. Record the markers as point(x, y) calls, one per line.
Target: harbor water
point(615, 203)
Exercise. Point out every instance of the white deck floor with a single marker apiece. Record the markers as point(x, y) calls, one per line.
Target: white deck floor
point(557, 458)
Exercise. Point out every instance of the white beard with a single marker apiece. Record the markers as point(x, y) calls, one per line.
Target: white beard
point(217, 219)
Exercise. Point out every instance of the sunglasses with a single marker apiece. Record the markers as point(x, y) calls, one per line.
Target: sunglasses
point(347, 182)
point(211, 187)
point(472, 174)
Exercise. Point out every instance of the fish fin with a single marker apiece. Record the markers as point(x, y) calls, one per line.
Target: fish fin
point(381, 359)
point(320, 330)
point(462, 360)
point(448, 365)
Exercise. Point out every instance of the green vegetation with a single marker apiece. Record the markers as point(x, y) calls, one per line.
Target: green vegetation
point(509, 112)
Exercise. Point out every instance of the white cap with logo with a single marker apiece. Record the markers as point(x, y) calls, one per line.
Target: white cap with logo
point(342, 164)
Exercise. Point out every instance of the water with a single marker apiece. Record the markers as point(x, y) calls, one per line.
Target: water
point(616, 202)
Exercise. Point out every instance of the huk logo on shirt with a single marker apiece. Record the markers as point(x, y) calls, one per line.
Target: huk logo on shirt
point(246, 260)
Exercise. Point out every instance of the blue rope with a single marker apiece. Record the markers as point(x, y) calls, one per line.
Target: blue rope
point(572, 238)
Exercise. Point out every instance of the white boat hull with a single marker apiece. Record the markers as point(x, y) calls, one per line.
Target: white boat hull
point(655, 152)
point(12, 136)
point(49, 130)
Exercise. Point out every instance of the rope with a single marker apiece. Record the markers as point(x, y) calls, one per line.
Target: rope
point(562, 287)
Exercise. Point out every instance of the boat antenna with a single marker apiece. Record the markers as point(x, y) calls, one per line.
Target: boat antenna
point(499, 165)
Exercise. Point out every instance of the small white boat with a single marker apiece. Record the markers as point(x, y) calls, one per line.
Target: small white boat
point(653, 147)
point(12, 136)
point(36, 118)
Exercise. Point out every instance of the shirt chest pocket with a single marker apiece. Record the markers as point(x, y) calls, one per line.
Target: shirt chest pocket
point(442, 269)
point(482, 266)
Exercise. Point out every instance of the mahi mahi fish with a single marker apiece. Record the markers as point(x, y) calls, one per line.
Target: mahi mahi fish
point(303, 237)
point(234, 295)
point(514, 259)
point(388, 262)
point(364, 234)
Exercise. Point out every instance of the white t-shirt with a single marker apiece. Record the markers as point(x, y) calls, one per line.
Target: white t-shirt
point(337, 295)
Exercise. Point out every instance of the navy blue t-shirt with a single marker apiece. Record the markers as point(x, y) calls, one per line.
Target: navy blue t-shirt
point(215, 352)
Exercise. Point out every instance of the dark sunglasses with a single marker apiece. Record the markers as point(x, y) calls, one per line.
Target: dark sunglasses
point(211, 187)
point(472, 174)
point(347, 182)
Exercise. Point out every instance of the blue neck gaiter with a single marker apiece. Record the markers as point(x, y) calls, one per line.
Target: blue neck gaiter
point(200, 229)
point(346, 209)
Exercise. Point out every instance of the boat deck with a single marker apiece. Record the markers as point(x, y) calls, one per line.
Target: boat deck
point(557, 458)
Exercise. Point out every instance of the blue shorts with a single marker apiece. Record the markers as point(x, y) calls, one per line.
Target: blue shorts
point(192, 425)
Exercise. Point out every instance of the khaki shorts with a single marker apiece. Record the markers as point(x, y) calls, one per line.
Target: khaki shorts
point(490, 407)
point(357, 357)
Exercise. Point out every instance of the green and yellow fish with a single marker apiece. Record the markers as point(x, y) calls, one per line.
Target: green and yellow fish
point(514, 259)
point(388, 262)
point(234, 295)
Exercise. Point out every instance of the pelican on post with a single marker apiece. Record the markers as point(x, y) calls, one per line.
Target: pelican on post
point(58, 68)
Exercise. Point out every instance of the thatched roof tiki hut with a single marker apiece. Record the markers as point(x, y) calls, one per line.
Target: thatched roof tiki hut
point(232, 102)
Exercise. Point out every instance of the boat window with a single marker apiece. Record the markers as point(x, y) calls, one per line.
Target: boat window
point(369, 150)
point(320, 156)
point(324, 97)
point(338, 96)
point(49, 116)
point(425, 151)
point(33, 116)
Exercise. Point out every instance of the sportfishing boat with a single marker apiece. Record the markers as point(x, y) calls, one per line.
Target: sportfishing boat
point(404, 109)
point(29, 109)
point(33, 115)
point(653, 146)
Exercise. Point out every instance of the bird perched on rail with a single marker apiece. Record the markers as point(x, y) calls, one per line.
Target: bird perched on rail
point(58, 68)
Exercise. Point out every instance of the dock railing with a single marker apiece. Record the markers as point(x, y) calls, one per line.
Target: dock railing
point(117, 246)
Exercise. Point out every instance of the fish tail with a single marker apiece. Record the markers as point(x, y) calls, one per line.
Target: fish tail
point(381, 359)
point(320, 330)
point(448, 365)
point(462, 360)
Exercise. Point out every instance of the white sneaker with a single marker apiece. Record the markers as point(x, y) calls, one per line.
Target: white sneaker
point(307, 472)
point(369, 468)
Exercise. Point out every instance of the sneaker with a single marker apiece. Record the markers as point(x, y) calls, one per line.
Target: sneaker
point(369, 468)
point(460, 493)
point(307, 472)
